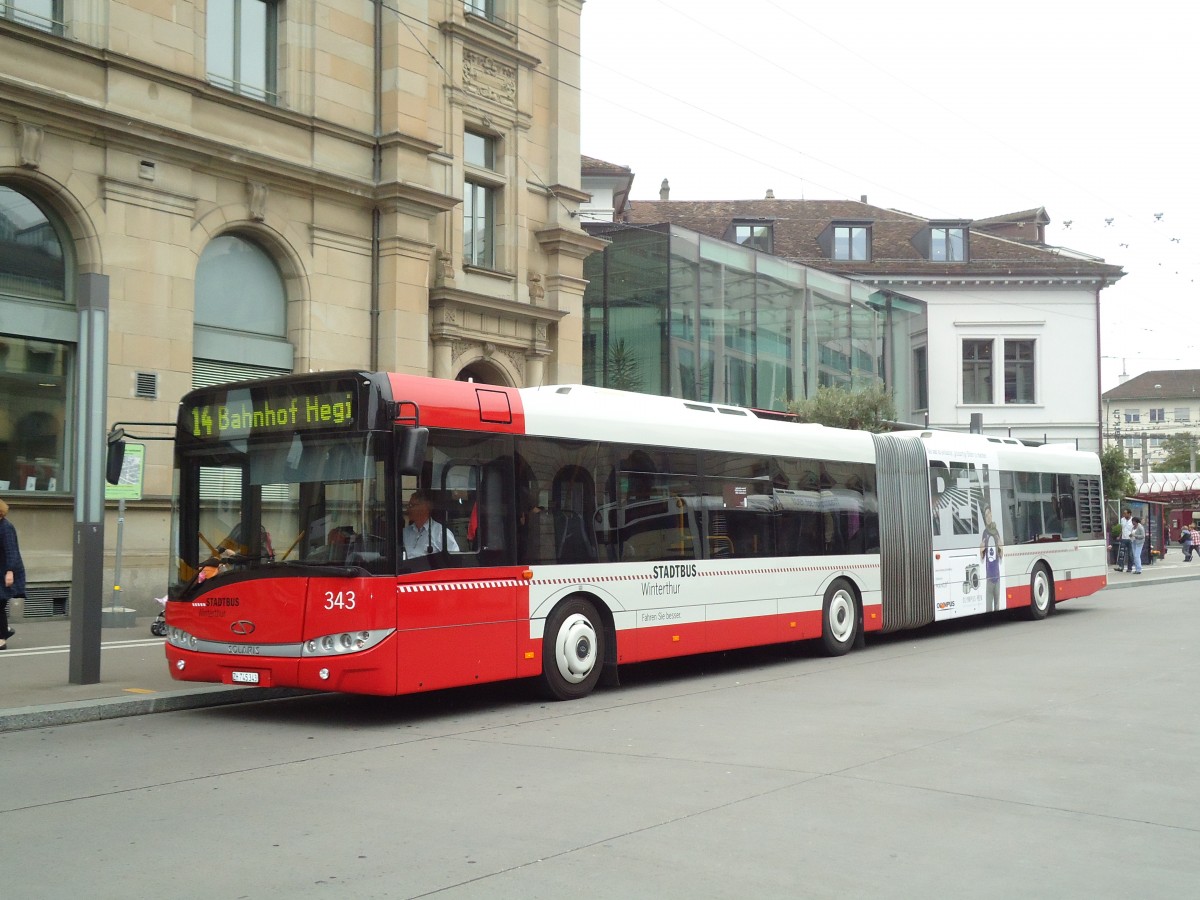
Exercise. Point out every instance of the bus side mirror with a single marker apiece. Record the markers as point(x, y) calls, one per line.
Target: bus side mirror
point(116, 457)
point(410, 455)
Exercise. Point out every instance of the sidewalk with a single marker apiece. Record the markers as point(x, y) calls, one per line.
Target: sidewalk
point(35, 690)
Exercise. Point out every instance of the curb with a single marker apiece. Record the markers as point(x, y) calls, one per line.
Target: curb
point(1162, 579)
point(119, 707)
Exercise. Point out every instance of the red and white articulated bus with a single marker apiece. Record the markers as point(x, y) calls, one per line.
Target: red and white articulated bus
point(575, 529)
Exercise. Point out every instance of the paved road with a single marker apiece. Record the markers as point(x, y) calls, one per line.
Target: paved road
point(979, 759)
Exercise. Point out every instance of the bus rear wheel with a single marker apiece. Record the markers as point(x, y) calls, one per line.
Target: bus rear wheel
point(1041, 592)
point(572, 650)
point(839, 618)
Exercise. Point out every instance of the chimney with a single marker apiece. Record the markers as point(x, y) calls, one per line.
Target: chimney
point(664, 190)
point(770, 194)
point(862, 198)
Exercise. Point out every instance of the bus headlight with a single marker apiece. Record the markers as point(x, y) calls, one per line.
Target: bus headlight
point(344, 642)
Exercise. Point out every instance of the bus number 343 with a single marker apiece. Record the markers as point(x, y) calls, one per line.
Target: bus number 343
point(340, 600)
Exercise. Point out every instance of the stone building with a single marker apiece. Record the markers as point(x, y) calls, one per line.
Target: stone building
point(242, 187)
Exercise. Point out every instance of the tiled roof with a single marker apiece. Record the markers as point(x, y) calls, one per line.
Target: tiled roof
point(798, 223)
point(589, 165)
point(1161, 384)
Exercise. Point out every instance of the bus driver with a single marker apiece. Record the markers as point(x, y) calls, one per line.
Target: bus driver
point(422, 534)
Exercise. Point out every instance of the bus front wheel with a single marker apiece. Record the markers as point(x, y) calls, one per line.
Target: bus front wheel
point(572, 650)
point(1041, 592)
point(839, 618)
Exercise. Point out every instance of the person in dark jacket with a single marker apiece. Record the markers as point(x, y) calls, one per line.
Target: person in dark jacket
point(13, 571)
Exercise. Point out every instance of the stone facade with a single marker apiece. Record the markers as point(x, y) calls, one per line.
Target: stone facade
point(347, 170)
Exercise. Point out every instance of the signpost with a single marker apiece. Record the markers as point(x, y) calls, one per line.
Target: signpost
point(128, 487)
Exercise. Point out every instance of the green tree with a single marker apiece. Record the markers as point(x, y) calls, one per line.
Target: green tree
point(870, 409)
point(1180, 451)
point(1114, 468)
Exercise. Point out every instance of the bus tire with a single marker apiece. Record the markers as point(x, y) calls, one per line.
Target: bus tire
point(572, 650)
point(1041, 593)
point(839, 618)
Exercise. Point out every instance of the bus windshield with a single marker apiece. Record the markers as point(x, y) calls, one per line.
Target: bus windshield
point(307, 498)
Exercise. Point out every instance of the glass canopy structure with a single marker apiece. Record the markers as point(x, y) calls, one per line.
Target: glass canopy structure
point(668, 311)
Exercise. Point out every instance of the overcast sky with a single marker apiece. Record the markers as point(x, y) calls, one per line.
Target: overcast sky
point(963, 110)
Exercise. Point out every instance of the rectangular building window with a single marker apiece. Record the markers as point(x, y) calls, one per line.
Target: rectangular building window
point(1133, 415)
point(851, 242)
point(36, 379)
point(1158, 415)
point(241, 47)
point(45, 15)
point(478, 223)
point(485, 8)
point(977, 371)
point(1018, 372)
point(480, 192)
point(947, 244)
point(921, 378)
point(1183, 414)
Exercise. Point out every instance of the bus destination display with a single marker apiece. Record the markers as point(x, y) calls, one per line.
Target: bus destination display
point(241, 414)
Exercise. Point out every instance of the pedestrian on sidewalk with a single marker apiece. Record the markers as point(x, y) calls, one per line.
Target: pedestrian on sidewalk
point(1126, 544)
point(1138, 538)
point(1185, 542)
point(13, 568)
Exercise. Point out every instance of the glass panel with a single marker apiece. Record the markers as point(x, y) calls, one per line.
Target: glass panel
point(45, 15)
point(479, 150)
point(478, 225)
point(317, 499)
point(656, 517)
point(31, 258)
point(637, 313)
point(977, 371)
point(920, 378)
point(35, 401)
point(850, 242)
point(757, 237)
point(831, 324)
point(239, 46)
point(947, 244)
point(239, 288)
point(1018, 373)
point(252, 49)
point(219, 46)
point(866, 348)
point(687, 380)
point(779, 307)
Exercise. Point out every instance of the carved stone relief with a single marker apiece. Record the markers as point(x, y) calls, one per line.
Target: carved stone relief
point(489, 78)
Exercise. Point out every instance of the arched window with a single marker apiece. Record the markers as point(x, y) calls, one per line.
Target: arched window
point(31, 255)
point(241, 313)
point(38, 330)
point(239, 288)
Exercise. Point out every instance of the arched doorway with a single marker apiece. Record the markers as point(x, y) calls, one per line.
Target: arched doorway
point(482, 372)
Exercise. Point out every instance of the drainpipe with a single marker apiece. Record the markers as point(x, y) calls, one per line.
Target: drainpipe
point(1099, 402)
point(376, 175)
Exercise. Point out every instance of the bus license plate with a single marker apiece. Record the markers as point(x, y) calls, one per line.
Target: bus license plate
point(245, 678)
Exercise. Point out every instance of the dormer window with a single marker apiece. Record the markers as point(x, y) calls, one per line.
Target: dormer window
point(844, 240)
point(852, 242)
point(944, 241)
point(948, 243)
point(755, 235)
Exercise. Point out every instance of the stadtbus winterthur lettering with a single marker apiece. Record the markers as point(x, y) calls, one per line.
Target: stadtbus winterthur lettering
point(273, 413)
